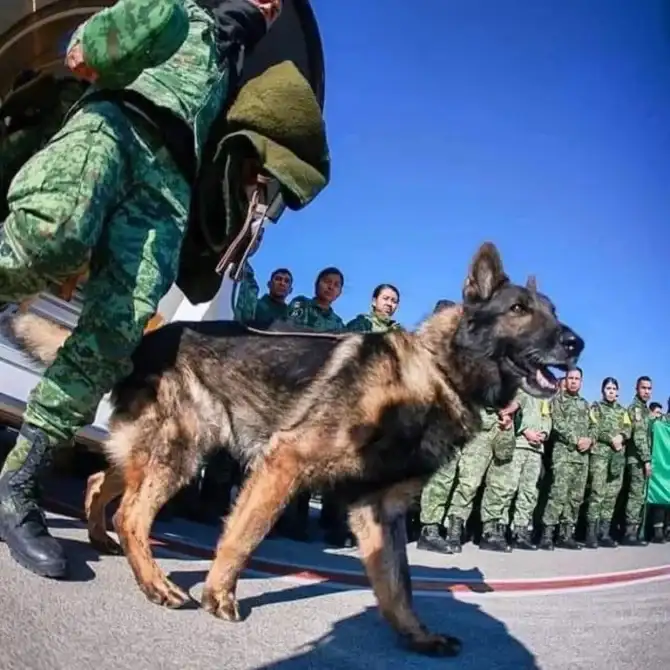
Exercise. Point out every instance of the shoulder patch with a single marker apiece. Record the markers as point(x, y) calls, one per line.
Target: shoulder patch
point(626, 419)
point(593, 415)
point(545, 408)
point(637, 414)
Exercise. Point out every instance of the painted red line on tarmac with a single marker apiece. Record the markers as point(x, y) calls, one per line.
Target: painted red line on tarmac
point(433, 585)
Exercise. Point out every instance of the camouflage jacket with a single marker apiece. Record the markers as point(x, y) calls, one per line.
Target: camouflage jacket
point(501, 441)
point(571, 421)
point(18, 146)
point(638, 448)
point(611, 420)
point(268, 310)
point(372, 323)
point(534, 414)
point(306, 313)
point(247, 296)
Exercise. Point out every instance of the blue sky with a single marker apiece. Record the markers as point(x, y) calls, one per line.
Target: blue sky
point(541, 126)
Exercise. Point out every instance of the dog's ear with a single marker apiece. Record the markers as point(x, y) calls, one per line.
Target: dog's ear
point(531, 284)
point(486, 275)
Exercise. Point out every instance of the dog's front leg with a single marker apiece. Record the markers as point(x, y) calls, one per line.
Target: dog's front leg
point(388, 571)
point(268, 488)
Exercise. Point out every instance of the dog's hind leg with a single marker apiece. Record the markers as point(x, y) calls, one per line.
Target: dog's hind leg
point(147, 488)
point(388, 572)
point(101, 489)
point(268, 488)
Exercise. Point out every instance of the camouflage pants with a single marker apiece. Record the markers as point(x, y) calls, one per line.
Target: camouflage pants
point(636, 493)
point(105, 189)
point(472, 466)
point(606, 481)
point(505, 480)
point(437, 492)
point(568, 485)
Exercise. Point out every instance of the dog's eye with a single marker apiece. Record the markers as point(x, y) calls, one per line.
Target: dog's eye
point(518, 308)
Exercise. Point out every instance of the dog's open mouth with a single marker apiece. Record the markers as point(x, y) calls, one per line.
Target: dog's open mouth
point(537, 379)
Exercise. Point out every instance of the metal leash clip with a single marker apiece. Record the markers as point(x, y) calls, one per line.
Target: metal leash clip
point(253, 227)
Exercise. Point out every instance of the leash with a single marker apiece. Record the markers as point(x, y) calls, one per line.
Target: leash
point(252, 228)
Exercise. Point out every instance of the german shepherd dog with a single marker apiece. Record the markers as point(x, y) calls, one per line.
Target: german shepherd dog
point(373, 415)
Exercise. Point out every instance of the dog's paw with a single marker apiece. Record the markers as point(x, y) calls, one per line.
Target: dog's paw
point(222, 604)
point(104, 544)
point(161, 591)
point(434, 644)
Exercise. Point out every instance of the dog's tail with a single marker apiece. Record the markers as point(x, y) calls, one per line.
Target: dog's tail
point(37, 337)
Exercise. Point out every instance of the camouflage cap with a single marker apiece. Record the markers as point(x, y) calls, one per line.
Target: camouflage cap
point(121, 41)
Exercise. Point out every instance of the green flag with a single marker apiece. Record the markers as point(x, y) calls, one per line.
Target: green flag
point(658, 491)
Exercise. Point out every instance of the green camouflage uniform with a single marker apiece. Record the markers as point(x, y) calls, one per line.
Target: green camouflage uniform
point(246, 303)
point(372, 323)
point(307, 313)
point(638, 452)
point(106, 193)
point(571, 421)
point(106, 186)
point(476, 457)
point(436, 494)
point(520, 475)
point(606, 466)
point(269, 309)
point(17, 147)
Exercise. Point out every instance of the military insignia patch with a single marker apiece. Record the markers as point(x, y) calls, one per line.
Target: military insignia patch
point(637, 414)
point(626, 419)
point(545, 408)
point(593, 415)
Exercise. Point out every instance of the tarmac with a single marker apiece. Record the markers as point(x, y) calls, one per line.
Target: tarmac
point(307, 606)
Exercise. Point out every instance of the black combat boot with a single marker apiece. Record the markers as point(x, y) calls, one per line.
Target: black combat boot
point(606, 540)
point(631, 538)
point(454, 533)
point(566, 538)
point(523, 539)
point(592, 535)
point(658, 536)
point(431, 540)
point(547, 541)
point(22, 523)
point(493, 538)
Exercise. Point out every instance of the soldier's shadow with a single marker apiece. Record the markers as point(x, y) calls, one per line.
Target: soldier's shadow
point(367, 641)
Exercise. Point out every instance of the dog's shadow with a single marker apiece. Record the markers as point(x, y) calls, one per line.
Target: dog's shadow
point(366, 641)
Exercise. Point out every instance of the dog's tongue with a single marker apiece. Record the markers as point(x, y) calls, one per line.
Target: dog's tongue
point(543, 381)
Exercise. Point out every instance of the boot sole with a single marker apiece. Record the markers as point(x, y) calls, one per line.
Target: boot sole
point(48, 570)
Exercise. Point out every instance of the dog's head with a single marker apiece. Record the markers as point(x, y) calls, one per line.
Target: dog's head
point(507, 336)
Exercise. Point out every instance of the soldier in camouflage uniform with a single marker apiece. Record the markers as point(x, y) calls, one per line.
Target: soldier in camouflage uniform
point(273, 306)
point(495, 439)
point(573, 432)
point(436, 494)
point(607, 462)
point(517, 476)
point(106, 190)
point(317, 313)
point(638, 462)
point(385, 300)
